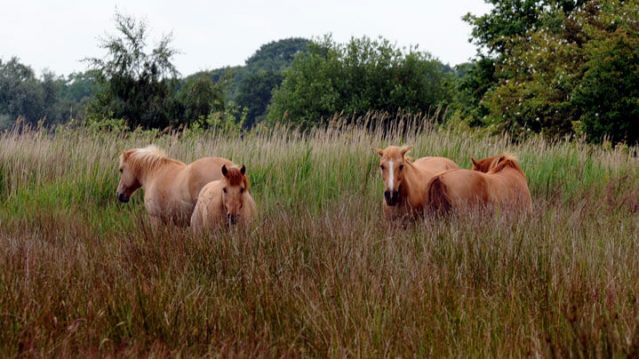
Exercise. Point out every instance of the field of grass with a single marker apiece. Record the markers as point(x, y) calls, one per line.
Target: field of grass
point(319, 274)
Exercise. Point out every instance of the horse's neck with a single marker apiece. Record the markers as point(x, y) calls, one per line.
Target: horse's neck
point(410, 189)
point(145, 175)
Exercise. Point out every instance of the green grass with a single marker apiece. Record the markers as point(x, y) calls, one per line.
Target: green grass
point(319, 274)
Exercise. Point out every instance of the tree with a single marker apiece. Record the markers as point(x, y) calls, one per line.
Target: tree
point(475, 79)
point(255, 94)
point(21, 94)
point(276, 56)
point(199, 96)
point(253, 84)
point(357, 77)
point(608, 93)
point(576, 73)
point(499, 35)
point(135, 84)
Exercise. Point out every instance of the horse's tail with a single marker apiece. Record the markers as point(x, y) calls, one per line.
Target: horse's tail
point(438, 199)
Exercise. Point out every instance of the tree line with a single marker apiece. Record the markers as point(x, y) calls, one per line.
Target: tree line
point(559, 68)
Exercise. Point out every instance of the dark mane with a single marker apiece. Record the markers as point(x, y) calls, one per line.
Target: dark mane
point(235, 177)
point(506, 161)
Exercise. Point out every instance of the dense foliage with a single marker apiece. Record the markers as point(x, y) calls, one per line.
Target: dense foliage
point(263, 73)
point(357, 77)
point(48, 99)
point(570, 69)
point(319, 275)
point(561, 68)
point(136, 83)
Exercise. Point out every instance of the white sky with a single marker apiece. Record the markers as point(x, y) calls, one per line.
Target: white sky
point(56, 35)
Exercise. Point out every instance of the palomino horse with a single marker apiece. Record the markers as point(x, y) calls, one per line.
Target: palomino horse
point(494, 182)
point(225, 201)
point(171, 188)
point(405, 181)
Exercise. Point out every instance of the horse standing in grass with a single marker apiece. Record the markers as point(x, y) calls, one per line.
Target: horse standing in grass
point(171, 187)
point(225, 201)
point(405, 181)
point(494, 182)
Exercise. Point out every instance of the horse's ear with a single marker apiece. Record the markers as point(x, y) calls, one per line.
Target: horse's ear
point(243, 170)
point(126, 154)
point(405, 150)
point(225, 170)
point(475, 163)
point(379, 151)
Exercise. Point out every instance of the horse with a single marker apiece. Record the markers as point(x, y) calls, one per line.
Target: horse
point(225, 201)
point(171, 187)
point(405, 181)
point(493, 182)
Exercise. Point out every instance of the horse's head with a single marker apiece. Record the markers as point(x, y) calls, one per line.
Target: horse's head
point(128, 178)
point(392, 163)
point(496, 163)
point(484, 165)
point(235, 187)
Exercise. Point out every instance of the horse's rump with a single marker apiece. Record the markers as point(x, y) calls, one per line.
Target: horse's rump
point(438, 198)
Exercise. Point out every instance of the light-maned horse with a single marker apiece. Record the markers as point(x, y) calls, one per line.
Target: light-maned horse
point(171, 187)
point(405, 181)
point(493, 182)
point(226, 201)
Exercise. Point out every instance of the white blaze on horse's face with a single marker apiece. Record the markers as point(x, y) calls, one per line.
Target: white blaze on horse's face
point(128, 180)
point(391, 164)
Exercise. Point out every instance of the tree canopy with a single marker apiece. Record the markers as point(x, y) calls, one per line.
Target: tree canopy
point(135, 81)
point(568, 69)
point(357, 77)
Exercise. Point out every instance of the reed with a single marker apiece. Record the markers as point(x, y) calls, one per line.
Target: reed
point(319, 274)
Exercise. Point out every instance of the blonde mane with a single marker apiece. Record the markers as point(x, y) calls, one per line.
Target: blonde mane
point(148, 158)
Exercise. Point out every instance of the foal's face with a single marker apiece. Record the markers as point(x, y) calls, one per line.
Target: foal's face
point(235, 187)
point(128, 180)
point(392, 163)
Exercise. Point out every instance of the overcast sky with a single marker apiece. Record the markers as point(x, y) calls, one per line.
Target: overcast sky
point(56, 35)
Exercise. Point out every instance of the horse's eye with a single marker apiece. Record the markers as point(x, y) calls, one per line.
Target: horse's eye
point(401, 167)
point(224, 189)
point(241, 190)
point(381, 167)
point(121, 170)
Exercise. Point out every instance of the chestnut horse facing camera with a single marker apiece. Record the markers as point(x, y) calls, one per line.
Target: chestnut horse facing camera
point(225, 201)
point(171, 187)
point(405, 181)
point(494, 182)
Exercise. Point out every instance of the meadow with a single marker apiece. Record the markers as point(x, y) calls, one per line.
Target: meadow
point(319, 274)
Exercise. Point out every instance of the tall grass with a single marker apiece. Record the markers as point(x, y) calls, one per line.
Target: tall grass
point(319, 275)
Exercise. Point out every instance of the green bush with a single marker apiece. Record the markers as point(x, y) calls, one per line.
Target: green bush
point(358, 77)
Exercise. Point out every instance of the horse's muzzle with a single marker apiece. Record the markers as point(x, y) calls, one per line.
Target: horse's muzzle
point(122, 197)
point(391, 197)
point(232, 218)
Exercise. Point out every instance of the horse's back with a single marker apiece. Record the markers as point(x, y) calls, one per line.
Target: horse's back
point(466, 189)
point(433, 165)
point(511, 189)
point(463, 187)
point(202, 171)
point(436, 163)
